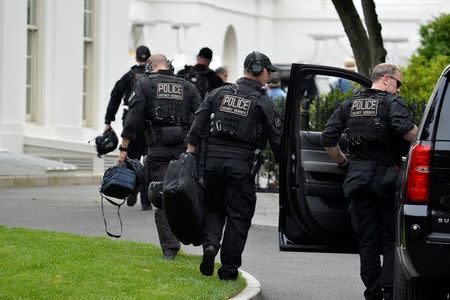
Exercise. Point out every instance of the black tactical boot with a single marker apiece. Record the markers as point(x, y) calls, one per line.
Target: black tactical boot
point(207, 264)
point(170, 254)
point(225, 275)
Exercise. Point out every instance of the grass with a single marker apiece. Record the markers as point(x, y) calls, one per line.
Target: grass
point(36, 264)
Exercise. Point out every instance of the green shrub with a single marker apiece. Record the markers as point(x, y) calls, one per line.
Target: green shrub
point(435, 37)
point(322, 108)
point(419, 79)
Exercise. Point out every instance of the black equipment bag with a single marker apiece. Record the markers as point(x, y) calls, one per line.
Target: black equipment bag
point(183, 199)
point(119, 182)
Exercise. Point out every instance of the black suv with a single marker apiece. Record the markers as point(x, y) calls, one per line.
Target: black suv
point(314, 213)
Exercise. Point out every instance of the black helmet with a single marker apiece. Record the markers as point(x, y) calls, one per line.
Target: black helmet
point(155, 193)
point(107, 142)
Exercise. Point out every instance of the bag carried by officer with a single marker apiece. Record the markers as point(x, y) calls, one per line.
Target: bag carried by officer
point(119, 182)
point(182, 199)
point(198, 78)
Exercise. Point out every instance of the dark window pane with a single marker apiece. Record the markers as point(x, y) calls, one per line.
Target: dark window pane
point(443, 132)
point(320, 96)
point(28, 104)
point(29, 70)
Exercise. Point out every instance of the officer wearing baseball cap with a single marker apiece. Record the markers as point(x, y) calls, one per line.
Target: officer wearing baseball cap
point(122, 90)
point(240, 118)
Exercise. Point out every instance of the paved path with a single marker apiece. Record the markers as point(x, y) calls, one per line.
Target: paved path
point(283, 275)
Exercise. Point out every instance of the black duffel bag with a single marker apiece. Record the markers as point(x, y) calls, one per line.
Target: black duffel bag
point(182, 199)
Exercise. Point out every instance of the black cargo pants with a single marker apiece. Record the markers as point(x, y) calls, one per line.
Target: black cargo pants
point(230, 202)
point(159, 157)
point(137, 149)
point(373, 212)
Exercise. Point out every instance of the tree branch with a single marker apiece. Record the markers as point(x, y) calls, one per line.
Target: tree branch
point(378, 53)
point(356, 34)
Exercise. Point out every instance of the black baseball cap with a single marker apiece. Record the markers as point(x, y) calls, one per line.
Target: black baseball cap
point(142, 53)
point(205, 53)
point(251, 57)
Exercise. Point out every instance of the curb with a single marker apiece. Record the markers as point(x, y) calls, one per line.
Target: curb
point(9, 182)
point(253, 289)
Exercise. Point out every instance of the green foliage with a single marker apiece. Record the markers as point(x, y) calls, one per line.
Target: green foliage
point(321, 109)
point(48, 265)
point(435, 37)
point(419, 79)
point(424, 68)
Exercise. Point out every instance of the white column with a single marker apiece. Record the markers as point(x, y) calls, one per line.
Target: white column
point(111, 54)
point(65, 66)
point(13, 46)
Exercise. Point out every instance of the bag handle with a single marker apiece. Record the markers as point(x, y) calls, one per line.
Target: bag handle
point(118, 213)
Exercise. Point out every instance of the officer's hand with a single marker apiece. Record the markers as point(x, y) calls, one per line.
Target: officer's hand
point(344, 165)
point(107, 128)
point(190, 148)
point(122, 157)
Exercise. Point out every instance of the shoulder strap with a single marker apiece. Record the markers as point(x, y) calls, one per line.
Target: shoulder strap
point(118, 213)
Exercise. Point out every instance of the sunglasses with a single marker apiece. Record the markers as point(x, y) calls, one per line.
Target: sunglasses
point(399, 83)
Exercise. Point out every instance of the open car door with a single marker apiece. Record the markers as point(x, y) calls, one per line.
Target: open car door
point(314, 214)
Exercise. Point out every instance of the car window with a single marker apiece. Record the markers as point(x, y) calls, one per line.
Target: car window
point(443, 132)
point(320, 96)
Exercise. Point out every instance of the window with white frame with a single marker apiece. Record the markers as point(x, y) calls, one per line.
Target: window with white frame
point(32, 48)
point(87, 113)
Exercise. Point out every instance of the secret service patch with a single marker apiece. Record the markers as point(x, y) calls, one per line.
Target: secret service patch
point(235, 105)
point(364, 108)
point(169, 90)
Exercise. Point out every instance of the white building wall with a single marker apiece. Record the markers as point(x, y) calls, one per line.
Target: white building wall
point(13, 41)
point(59, 122)
point(286, 30)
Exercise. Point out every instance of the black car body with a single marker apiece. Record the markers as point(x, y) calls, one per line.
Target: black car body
point(423, 197)
point(314, 213)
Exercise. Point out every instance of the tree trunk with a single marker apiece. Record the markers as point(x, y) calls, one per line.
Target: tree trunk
point(356, 34)
point(378, 53)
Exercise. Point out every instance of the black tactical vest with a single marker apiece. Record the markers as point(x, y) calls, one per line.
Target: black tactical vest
point(136, 74)
point(168, 105)
point(368, 122)
point(235, 117)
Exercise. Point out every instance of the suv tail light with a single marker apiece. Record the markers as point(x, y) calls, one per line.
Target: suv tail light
point(418, 173)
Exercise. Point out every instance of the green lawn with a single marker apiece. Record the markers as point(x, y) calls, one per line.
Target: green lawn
point(37, 264)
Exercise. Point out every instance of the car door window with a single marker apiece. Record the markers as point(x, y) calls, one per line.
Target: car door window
point(320, 96)
point(442, 133)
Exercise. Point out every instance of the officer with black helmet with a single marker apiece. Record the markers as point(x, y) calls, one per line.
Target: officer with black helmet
point(374, 122)
point(239, 119)
point(122, 90)
point(162, 106)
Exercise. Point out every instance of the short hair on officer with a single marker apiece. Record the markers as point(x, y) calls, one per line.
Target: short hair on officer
point(205, 52)
point(384, 69)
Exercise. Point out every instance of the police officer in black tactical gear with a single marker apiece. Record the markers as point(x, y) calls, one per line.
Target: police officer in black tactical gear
point(374, 122)
point(122, 90)
point(201, 75)
point(239, 119)
point(163, 106)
